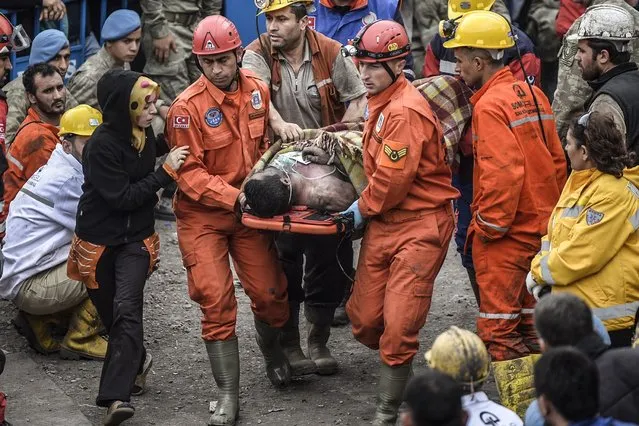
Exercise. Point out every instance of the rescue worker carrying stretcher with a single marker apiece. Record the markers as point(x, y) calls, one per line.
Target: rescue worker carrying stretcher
point(518, 174)
point(223, 118)
point(408, 202)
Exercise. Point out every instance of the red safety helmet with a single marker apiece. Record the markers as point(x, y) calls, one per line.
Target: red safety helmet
point(12, 38)
point(215, 34)
point(380, 41)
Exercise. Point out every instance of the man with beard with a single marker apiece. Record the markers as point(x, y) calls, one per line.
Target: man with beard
point(38, 134)
point(572, 90)
point(50, 46)
point(603, 56)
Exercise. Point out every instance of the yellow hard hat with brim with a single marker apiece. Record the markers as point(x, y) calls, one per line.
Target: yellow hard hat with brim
point(457, 8)
point(480, 29)
point(266, 6)
point(81, 120)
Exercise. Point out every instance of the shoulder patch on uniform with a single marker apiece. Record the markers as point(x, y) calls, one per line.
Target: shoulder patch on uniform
point(181, 122)
point(393, 155)
point(593, 216)
point(567, 53)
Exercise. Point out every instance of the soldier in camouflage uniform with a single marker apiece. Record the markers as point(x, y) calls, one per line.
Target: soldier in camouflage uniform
point(541, 29)
point(168, 30)
point(50, 46)
point(572, 90)
point(424, 16)
point(122, 32)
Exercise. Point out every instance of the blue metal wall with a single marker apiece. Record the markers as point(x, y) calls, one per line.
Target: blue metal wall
point(241, 12)
point(21, 62)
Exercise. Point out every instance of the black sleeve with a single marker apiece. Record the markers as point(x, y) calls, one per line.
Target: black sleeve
point(161, 147)
point(105, 171)
point(19, 4)
point(408, 68)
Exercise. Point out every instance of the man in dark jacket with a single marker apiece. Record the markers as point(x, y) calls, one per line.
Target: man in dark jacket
point(565, 320)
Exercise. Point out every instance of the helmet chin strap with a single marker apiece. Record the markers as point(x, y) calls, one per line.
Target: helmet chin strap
point(389, 71)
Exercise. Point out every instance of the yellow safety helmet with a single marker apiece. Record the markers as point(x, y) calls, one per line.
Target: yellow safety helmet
point(460, 354)
point(457, 8)
point(480, 29)
point(266, 6)
point(81, 120)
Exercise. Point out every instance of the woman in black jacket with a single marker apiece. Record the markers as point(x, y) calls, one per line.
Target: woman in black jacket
point(116, 247)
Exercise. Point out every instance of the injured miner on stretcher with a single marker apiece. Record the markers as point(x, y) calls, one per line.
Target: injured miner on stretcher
point(325, 170)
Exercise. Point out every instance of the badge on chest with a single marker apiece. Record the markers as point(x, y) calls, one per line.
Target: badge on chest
point(213, 117)
point(256, 99)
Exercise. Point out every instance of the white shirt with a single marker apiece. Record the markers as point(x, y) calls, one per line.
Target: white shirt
point(482, 411)
point(41, 221)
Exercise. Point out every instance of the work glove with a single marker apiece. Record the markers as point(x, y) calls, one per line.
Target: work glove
point(358, 220)
point(534, 288)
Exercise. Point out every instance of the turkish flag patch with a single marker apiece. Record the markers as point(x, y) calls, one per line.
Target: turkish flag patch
point(181, 122)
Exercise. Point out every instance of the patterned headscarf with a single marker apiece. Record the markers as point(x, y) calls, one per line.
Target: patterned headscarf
point(144, 91)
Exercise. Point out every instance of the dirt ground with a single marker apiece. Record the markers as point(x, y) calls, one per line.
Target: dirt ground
point(181, 385)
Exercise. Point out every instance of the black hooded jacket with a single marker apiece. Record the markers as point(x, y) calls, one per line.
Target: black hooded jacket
point(618, 378)
point(120, 184)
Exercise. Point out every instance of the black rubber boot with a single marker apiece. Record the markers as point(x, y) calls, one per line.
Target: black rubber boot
point(278, 369)
point(290, 341)
point(224, 356)
point(319, 330)
point(392, 381)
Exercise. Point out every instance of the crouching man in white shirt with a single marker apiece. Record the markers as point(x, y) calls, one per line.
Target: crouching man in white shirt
point(462, 355)
point(38, 238)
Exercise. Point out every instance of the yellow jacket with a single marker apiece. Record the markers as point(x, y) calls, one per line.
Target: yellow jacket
point(592, 246)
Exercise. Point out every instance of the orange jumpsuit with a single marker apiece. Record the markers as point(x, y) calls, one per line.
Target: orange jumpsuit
point(517, 181)
point(408, 200)
point(226, 133)
point(31, 149)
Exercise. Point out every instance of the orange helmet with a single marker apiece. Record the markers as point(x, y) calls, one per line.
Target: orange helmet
point(12, 38)
point(215, 34)
point(380, 41)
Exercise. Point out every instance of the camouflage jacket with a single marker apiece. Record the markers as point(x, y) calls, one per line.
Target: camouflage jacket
point(154, 20)
point(83, 85)
point(572, 90)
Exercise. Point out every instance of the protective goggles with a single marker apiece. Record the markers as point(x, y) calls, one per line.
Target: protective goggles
point(17, 41)
point(583, 120)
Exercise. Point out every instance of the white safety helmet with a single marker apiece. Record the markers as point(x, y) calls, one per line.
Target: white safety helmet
point(607, 22)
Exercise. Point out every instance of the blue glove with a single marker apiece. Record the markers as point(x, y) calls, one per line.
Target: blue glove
point(357, 215)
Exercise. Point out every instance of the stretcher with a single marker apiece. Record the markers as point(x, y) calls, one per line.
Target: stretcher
point(301, 220)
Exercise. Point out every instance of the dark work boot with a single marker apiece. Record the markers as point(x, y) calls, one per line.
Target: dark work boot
point(225, 364)
point(319, 330)
point(290, 341)
point(278, 369)
point(392, 381)
point(473, 283)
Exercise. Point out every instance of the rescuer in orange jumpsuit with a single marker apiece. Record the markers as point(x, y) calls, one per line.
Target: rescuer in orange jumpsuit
point(223, 118)
point(519, 172)
point(408, 202)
